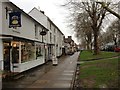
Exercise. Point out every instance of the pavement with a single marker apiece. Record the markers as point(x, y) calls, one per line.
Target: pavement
point(48, 76)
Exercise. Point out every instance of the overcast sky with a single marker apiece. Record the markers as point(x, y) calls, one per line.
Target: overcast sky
point(52, 9)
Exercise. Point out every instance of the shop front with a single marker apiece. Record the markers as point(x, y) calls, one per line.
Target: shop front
point(21, 55)
point(50, 52)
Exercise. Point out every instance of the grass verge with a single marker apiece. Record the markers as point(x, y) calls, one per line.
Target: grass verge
point(100, 73)
point(87, 55)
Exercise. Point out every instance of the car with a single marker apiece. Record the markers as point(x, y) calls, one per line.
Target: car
point(117, 49)
point(70, 53)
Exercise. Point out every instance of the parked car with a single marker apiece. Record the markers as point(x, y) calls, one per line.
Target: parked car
point(70, 53)
point(108, 48)
point(117, 49)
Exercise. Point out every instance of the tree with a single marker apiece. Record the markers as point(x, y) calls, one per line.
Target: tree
point(96, 14)
point(83, 29)
point(114, 32)
point(105, 6)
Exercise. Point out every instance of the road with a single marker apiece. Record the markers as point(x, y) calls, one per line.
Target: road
point(48, 76)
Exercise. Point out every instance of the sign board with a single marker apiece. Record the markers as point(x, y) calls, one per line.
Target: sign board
point(43, 33)
point(15, 19)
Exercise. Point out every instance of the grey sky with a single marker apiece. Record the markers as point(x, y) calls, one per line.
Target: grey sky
point(55, 12)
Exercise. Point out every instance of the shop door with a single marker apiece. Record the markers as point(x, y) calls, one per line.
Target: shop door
point(46, 56)
point(7, 48)
point(49, 53)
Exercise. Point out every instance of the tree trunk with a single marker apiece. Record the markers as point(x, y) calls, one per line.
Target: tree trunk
point(115, 42)
point(88, 48)
point(91, 45)
point(96, 47)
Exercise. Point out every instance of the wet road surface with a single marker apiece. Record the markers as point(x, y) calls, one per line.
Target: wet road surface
point(48, 76)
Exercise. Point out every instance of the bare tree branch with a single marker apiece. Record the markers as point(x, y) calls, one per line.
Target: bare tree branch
point(104, 5)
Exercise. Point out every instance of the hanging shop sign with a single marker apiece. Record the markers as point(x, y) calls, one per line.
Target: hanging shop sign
point(15, 19)
point(43, 33)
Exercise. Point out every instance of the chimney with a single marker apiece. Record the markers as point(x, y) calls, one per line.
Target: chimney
point(63, 37)
point(42, 12)
point(69, 37)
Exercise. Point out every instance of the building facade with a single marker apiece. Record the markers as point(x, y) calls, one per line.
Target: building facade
point(54, 36)
point(29, 44)
point(69, 45)
point(21, 48)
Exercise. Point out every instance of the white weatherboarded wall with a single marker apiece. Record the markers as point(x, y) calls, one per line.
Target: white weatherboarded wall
point(40, 17)
point(28, 65)
point(0, 17)
point(28, 25)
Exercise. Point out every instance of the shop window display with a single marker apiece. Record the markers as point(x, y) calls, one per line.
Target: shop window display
point(15, 52)
point(39, 50)
point(27, 51)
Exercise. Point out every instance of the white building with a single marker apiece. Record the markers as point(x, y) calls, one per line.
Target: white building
point(54, 36)
point(21, 48)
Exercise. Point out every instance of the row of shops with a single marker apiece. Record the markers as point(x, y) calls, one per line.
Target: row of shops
point(23, 47)
point(20, 54)
point(29, 40)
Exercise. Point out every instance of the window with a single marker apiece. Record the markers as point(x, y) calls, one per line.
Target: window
point(36, 31)
point(39, 50)
point(54, 39)
point(15, 51)
point(27, 51)
point(50, 26)
point(50, 37)
point(54, 30)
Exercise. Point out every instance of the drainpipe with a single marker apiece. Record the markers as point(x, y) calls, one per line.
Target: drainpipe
point(1, 42)
point(1, 47)
point(1, 62)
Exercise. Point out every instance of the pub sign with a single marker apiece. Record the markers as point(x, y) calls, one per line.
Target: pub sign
point(15, 19)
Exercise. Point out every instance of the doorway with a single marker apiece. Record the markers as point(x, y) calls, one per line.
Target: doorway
point(7, 48)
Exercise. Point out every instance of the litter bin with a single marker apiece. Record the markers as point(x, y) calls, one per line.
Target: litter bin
point(54, 60)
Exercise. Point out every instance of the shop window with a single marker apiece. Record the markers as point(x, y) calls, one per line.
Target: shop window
point(27, 51)
point(15, 52)
point(39, 50)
